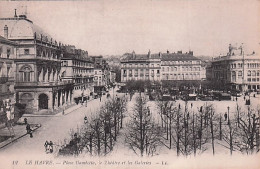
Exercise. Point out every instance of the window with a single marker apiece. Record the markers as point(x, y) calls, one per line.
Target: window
point(26, 51)
point(8, 70)
point(1, 50)
point(257, 74)
point(249, 79)
point(239, 73)
point(158, 71)
point(253, 73)
point(249, 73)
point(8, 52)
point(124, 71)
point(26, 74)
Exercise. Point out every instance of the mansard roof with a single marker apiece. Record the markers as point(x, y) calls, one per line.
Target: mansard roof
point(178, 57)
point(22, 28)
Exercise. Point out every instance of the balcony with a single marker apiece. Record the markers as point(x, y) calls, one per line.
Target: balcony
point(57, 83)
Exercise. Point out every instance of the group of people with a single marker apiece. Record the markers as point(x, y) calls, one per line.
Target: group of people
point(48, 146)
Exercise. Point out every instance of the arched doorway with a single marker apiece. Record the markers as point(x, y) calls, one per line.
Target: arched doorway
point(43, 101)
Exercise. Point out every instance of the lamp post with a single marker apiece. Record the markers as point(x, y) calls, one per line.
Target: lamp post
point(228, 115)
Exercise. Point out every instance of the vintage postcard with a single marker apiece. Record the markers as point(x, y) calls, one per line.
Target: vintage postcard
point(129, 84)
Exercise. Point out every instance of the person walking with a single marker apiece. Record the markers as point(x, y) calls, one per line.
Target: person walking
point(46, 145)
point(225, 116)
point(29, 130)
point(51, 146)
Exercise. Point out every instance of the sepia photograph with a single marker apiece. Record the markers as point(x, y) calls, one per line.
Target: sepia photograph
point(129, 84)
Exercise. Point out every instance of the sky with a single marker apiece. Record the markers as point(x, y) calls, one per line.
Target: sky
point(114, 27)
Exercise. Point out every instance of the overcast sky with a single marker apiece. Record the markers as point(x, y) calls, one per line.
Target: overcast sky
point(115, 27)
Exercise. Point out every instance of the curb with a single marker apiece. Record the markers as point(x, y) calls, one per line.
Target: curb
point(11, 141)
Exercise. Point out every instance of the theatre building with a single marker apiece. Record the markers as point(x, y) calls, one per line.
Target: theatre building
point(237, 70)
point(38, 84)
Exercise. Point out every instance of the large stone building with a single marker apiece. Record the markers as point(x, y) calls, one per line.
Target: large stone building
point(38, 82)
point(7, 67)
point(160, 67)
point(101, 73)
point(236, 70)
point(77, 67)
point(141, 67)
point(179, 66)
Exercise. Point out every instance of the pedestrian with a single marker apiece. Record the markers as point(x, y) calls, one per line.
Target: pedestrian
point(51, 146)
point(225, 116)
point(46, 145)
point(85, 120)
point(29, 130)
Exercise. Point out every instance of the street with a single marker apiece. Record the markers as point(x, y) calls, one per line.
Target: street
point(54, 129)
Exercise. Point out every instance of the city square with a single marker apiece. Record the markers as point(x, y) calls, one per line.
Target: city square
point(73, 87)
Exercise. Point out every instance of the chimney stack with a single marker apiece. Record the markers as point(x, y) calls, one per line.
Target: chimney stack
point(6, 32)
point(168, 52)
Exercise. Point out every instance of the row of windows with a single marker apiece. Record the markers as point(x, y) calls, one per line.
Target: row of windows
point(75, 71)
point(240, 65)
point(181, 76)
point(44, 53)
point(80, 63)
point(253, 79)
point(183, 68)
point(135, 71)
point(140, 65)
point(180, 62)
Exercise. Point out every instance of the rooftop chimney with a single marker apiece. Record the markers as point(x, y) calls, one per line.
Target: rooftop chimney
point(15, 15)
point(179, 52)
point(168, 52)
point(6, 32)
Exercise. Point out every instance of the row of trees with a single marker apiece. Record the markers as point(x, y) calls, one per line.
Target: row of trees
point(99, 133)
point(190, 131)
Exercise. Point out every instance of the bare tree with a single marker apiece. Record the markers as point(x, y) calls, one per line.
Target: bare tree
point(143, 135)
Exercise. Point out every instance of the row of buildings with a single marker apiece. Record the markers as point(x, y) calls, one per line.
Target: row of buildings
point(161, 67)
point(38, 71)
point(235, 71)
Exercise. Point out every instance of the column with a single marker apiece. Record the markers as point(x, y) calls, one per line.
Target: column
point(46, 76)
point(51, 75)
point(61, 97)
point(41, 76)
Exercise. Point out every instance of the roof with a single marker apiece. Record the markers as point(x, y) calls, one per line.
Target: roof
point(139, 57)
point(178, 57)
point(22, 28)
point(236, 57)
point(6, 41)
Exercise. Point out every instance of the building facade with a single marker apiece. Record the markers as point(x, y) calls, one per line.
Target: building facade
point(38, 82)
point(7, 99)
point(77, 67)
point(140, 67)
point(101, 73)
point(160, 67)
point(179, 66)
point(237, 70)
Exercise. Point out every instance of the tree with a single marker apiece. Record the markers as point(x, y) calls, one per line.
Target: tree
point(143, 135)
